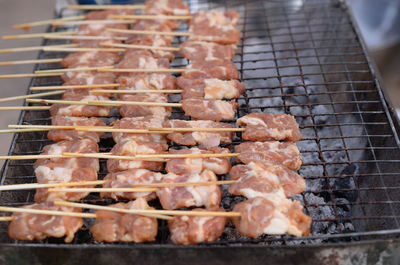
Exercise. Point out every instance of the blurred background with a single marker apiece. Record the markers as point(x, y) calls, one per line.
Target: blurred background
point(379, 21)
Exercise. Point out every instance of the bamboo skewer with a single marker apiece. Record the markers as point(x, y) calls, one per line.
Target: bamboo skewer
point(77, 69)
point(102, 7)
point(157, 70)
point(46, 212)
point(6, 218)
point(108, 156)
point(82, 37)
point(25, 108)
point(30, 186)
point(199, 129)
point(20, 130)
point(32, 96)
point(145, 157)
point(135, 211)
point(30, 75)
point(149, 32)
point(26, 26)
point(37, 48)
point(36, 35)
point(55, 60)
point(128, 91)
point(166, 17)
point(115, 103)
point(110, 129)
point(41, 88)
point(28, 157)
point(57, 187)
point(67, 49)
point(96, 22)
point(143, 47)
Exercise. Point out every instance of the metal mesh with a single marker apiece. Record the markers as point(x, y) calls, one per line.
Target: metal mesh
point(302, 58)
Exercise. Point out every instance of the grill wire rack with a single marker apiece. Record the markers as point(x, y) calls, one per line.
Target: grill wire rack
point(303, 58)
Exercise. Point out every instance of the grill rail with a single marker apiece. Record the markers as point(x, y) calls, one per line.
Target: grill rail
point(301, 58)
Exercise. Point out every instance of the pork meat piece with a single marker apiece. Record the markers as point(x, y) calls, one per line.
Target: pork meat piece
point(187, 230)
point(188, 196)
point(282, 153)
point(256, 178)
point(202, 50)
point(181, 166)
point(167, 7)
point(147, 81)
point(215, 26)
point(211, 88)
point(266, 126)
point(28, 226)
point(132, 148)
point(262, 216)
point(107, 14)
point(64, 170)
point(217, 68)
point(76, 110)
point(138, 111)
point(122, 227)
point(156, 41)
point(141, 59)
point(127, 179)
point(90, 59)
point(215, 110)
point(144, 122)
point(57, 135)
point(88, 78)
point(78, 146)
point(205, 140)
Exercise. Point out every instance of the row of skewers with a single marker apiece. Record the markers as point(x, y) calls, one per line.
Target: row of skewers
point(208, 86)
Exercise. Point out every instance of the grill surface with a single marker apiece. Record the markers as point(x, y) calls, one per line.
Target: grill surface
point(305, 59)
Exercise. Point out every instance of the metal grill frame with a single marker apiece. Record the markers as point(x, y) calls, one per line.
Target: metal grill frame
point(377, 153)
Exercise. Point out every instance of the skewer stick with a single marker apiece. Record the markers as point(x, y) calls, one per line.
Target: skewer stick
point(6, 218)
point(37, 48)
point(36, 35)
point(46, 212)
point(149, 32)
point(26, 26)
point(32, 96)
point(23, 157)
point(107, 156)
point(101, 7)
point(82, 37)
point(169, 17)
point(142, 47)
point(135, 211)
point(51, 127)
point(20, 130)
point(157, 70)
point(29, 75)
point(145, 157)
point(187, 155)
point(128, 91)
point(115, 103)
point(110, 129)
point(90, 22)
point(62, 49)
point(41, 88)
point(199, 129)
point(25, 108)
point(55, 60)
point(144, 187)
point(77, 69)
point(30, 186)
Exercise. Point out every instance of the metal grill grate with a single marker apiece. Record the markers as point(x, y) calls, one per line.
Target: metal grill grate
point(305, 59)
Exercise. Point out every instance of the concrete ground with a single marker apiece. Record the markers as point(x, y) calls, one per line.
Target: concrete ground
point(14, 12)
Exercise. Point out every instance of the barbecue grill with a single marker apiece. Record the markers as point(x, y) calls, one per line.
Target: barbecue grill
point(304, 58)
